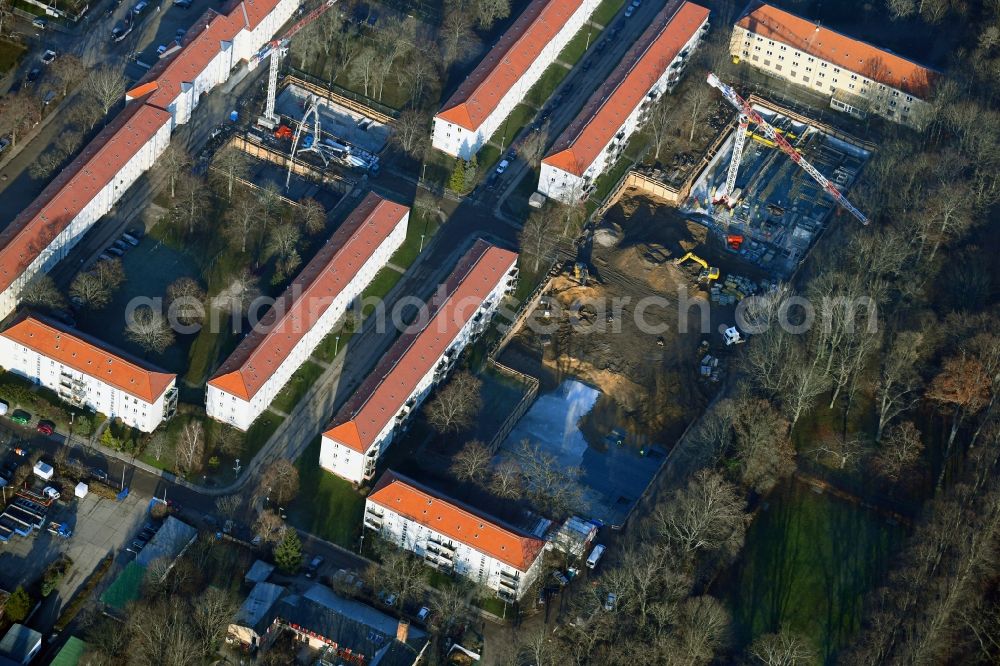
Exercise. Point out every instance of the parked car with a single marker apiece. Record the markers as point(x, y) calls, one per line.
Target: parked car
point(423, 613)
point(136, 546)
point(314, 566)
point(387, 598)
point(179, 34)
point(50, 492)
point(636, 3)
point(503, 166)
point(4, 407)
point(40, 22)
point(140, 7)
point(611, 601)
point(560, 578)
point(20, 416)
point(45, 427)
point(183, 4)
point(99, 474)
point(48, 56)
point(121, 245)
point(130, 239)
point(629, 11)
point(227, 527)
point(4, 142)
point(48, 97)
point(115, 251)
point(595, 556)
point(34, 74)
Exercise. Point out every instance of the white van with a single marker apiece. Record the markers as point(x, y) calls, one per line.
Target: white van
point(595, 556)
point(4, 407)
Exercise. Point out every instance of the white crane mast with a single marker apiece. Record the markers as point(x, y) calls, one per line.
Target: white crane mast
point(722, 196)
point(744, 107)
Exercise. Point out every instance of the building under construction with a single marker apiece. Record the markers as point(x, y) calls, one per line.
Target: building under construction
point(775, 210)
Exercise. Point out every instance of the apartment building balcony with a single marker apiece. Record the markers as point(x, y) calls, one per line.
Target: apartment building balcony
point(441, 545)
point(373, 521)
point(170, 403)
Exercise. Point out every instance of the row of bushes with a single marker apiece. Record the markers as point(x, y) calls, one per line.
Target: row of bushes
point(72, 609)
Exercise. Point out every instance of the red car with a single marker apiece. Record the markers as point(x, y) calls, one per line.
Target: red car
point(45, 428)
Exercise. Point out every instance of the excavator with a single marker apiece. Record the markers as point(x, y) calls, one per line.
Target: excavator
point(708, 273)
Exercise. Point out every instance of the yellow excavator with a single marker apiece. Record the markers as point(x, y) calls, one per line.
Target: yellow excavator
point(708, 273)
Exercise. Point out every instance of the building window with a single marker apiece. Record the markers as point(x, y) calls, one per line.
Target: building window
point(851, 86)
point(794, 74)
point(822, 64)
point(770, 53)
point(854, 77)
point(836, 70)
point(767, 63)
point(756, 48)
point(781, 57)
point(778, 67)
point(805, 79)
point(909, 99)
point(809, 69)
point(755, 58)
point(783, 47)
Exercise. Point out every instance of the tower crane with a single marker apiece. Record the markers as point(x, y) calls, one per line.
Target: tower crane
point(744, 107)
point(722, 196)
point(276, 50)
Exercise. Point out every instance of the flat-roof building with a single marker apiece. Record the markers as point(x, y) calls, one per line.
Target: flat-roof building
point(598, 135)
point(423, 355)
point(452, 536)
point(491, 91)
point(250, 379)
point(88, 373)
point(858, 77)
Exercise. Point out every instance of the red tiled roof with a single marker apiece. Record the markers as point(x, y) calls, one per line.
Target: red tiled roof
point(390, 384)
point(478, 96)
point(456, 520)
point(192, 60)
point(306, 300)
point(851, 54)
point(75, 187)
point(604, 113)
point(68, 347)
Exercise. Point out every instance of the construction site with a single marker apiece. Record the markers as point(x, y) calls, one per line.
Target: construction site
point(762, 205)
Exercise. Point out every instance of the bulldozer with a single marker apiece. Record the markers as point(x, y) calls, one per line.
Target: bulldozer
point(707, 274)
point(581, 273)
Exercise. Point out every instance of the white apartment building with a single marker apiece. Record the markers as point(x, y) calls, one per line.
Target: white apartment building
point(453, 537)
point(44, 232)
point(84, 192)
point(86, 373)
point(488, 95)
point(423, 355)
point(598, 135)
point(858, 77)
point(250, 379)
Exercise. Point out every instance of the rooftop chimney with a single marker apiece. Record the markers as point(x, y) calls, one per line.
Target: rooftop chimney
point(402, 630)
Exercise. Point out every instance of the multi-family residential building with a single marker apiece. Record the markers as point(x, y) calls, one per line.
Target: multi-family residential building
point(83, 192)
point(44, 232)
point(598, 135)
point(365, 426)
point(300, 318)
point(452, 536)
point(87, 373)
point(479, 106)
point(858, 77)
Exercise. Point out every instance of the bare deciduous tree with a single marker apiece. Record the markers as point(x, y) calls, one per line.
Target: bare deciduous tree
point(762, 443)
point(279, 481)
point(899, 451)
point(839, 451)
point(190, 447)
point(269, 527)
point(230, 165)
point(243, 221)
point(472, 462)
point(898, 378)
point(399, 573)
point(410, 132)
point(539, 238)
point(708, 514)
point(489, 12)
point(552, 485)
point(68, 69)
point(456, 404)
point(41, 292)
point(149, 329)
point(311, 215)
point(107, 86)
point(505, 480)
point(213, 610)
point(782, 649)
point(227, 505)
point(186, 301)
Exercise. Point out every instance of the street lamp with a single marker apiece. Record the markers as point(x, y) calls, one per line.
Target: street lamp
point(590, 29)
point(336, 345)
point(361, 547)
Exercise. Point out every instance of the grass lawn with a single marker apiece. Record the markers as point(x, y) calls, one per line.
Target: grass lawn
point(420, 225)
point(517, 203)
point(297, 386)
point(260, 431)
point(327, 505)
point(809, 559)
point(583, 40)
point(206, 349)
point(487, 157)
point(514, 123)
point(549, 81)
point(492, 605)
point(10, 54)
point(606, 11)
point(329, 347)
point(375, 292)
point(610, 178)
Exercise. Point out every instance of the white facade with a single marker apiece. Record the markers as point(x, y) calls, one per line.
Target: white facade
point(240, 413)
point(560, 182)
point(81, 389)
point(442, 552)
point(454, 139)
point(850, 91)
point(357, 466)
